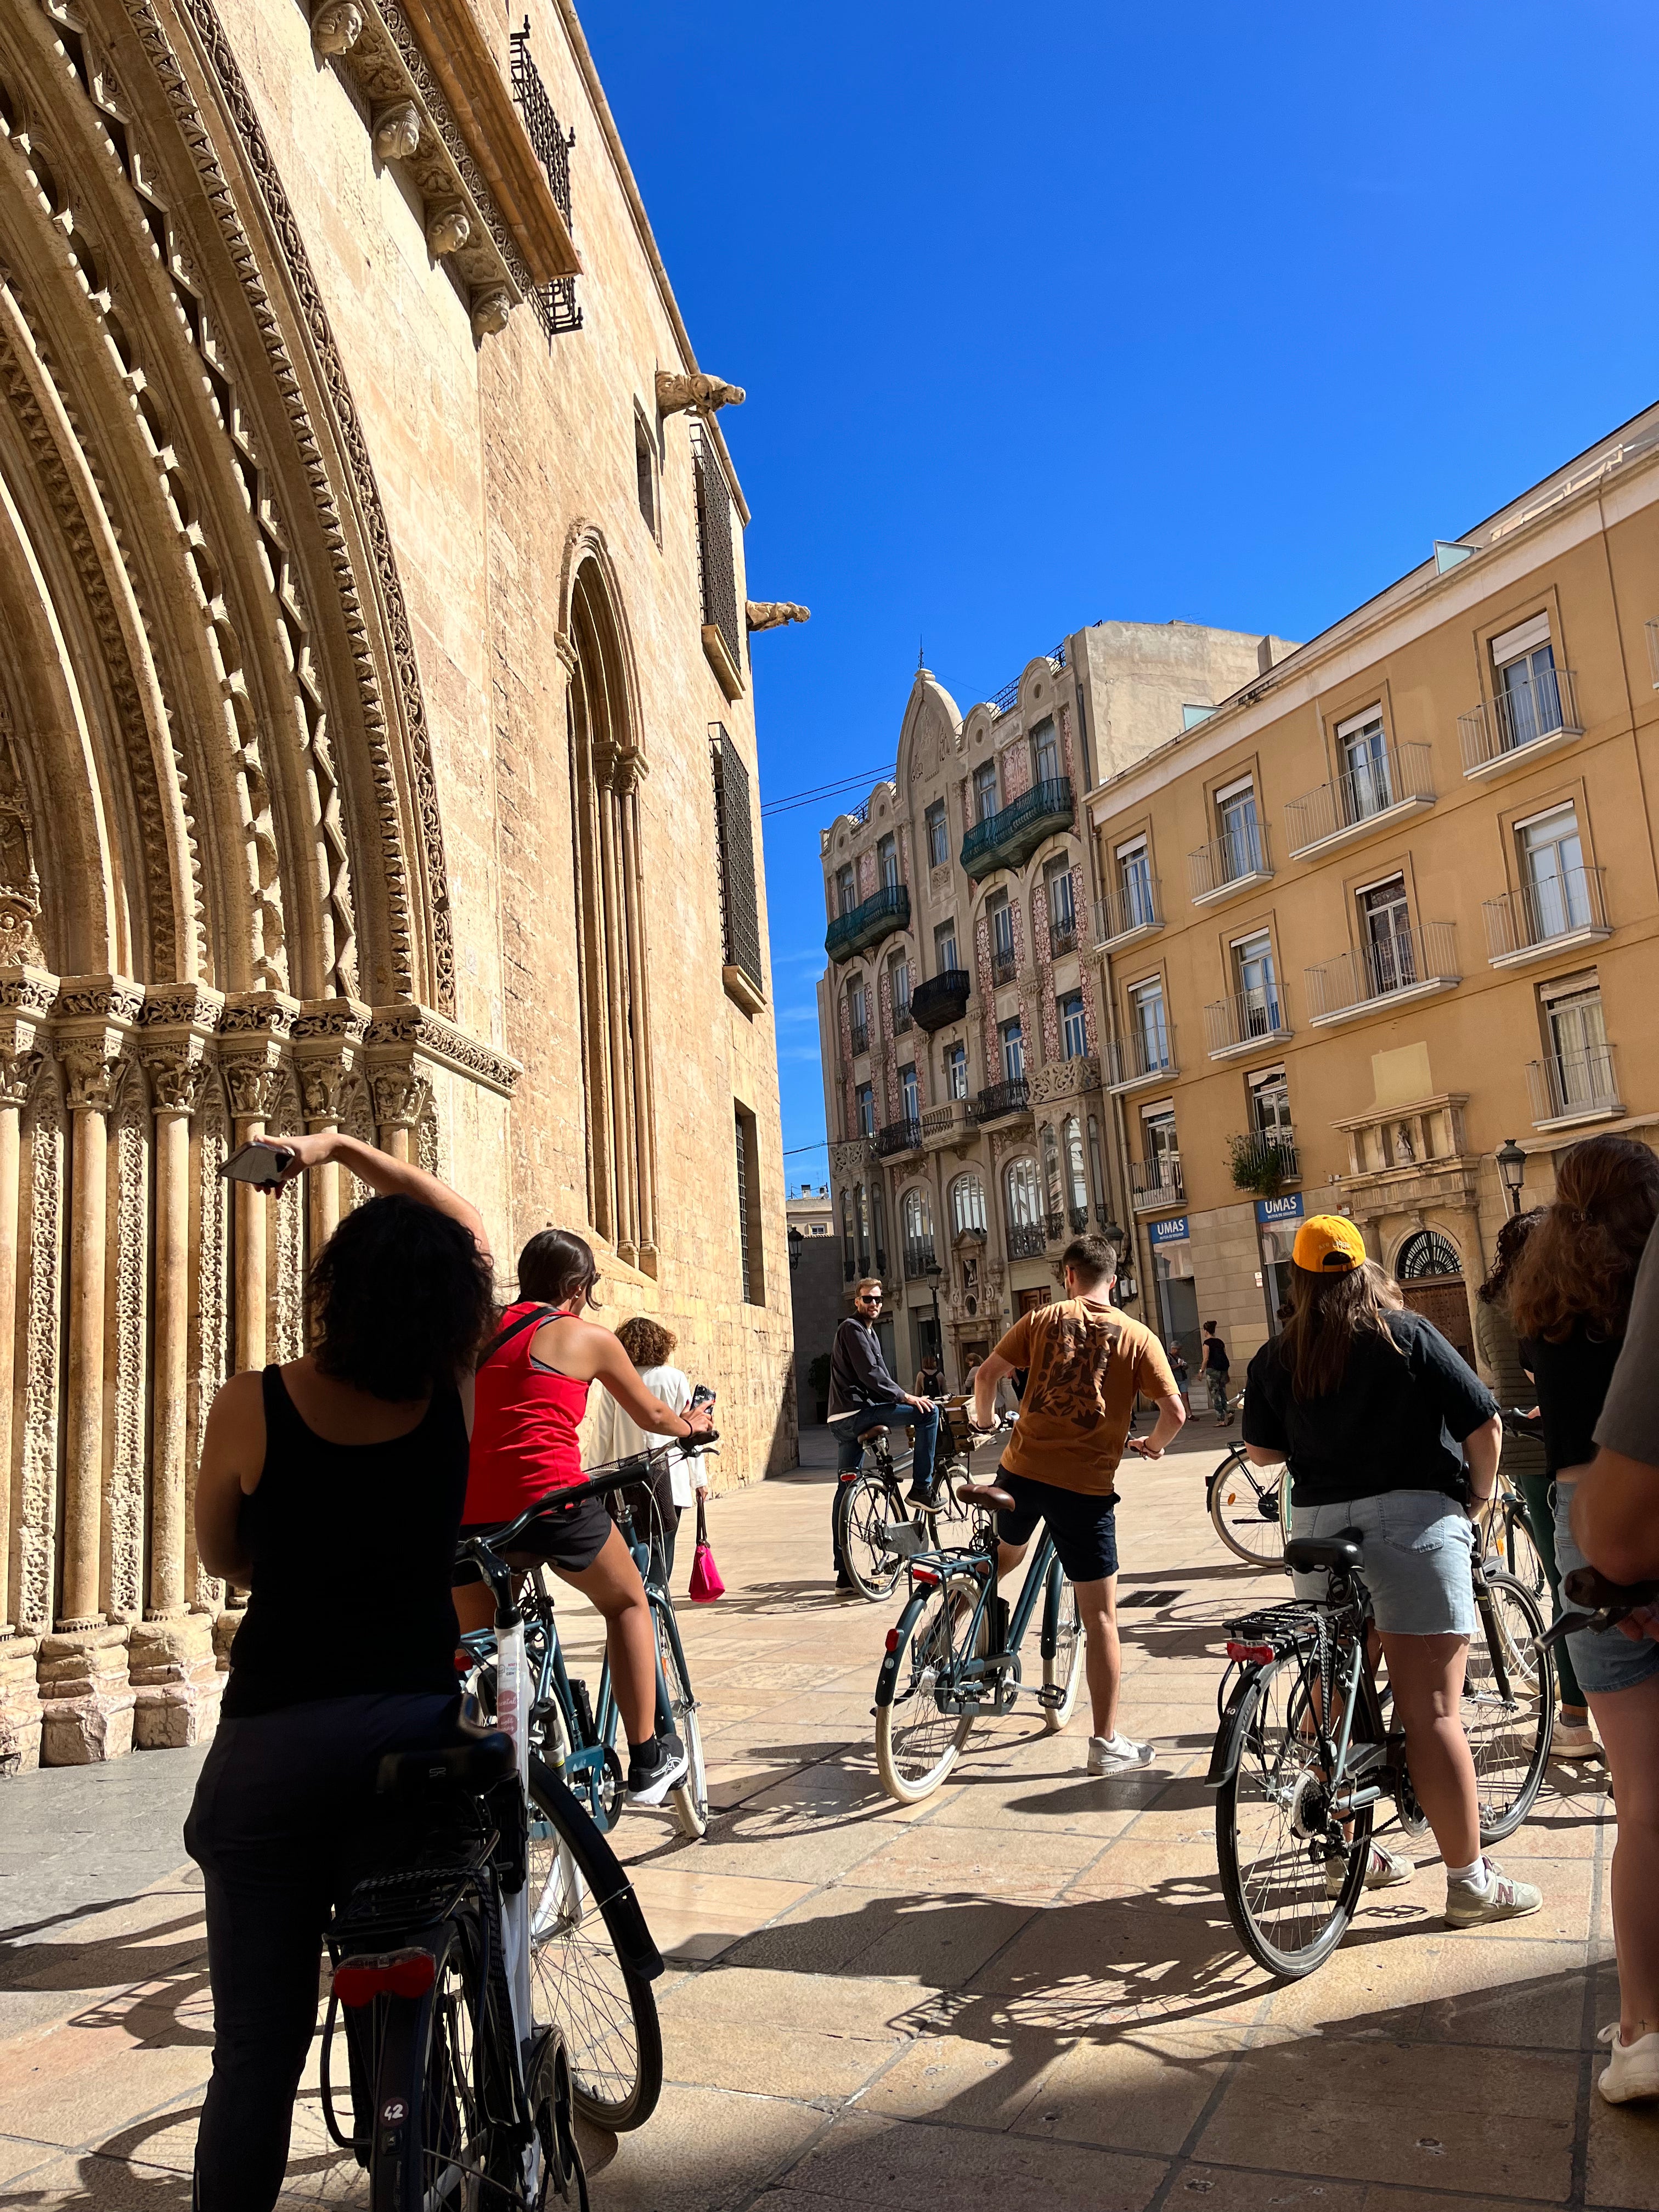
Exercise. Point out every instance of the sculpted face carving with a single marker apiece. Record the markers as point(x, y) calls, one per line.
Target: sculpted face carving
point(397, 130)
point(773, 614)
point(448, 231)
point(489, 312)
point(336, 26)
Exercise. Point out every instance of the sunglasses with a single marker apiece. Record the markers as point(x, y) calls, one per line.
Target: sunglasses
point(867, 1300)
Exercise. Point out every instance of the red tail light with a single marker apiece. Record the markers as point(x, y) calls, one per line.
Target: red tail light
point(394, 1974)
point(925, 1575)
point(892, 1640)
point(1255, 1654)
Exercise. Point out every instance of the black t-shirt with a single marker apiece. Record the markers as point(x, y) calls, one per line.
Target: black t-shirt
point(1572, 1380)
point(1216, 1361)
point(1395, 1422)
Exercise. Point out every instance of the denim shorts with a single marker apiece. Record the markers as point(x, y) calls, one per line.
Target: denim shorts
point(1611, 1661)
point(1417, 1546)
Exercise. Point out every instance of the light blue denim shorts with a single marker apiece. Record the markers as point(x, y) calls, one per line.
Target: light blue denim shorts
point(1417, 1546)
point(1611, 1661)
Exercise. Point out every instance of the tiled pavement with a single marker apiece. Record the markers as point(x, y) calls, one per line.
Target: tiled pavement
point(1026, 1989)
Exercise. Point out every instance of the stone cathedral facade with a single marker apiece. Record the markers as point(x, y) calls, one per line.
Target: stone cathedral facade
point(377, 751)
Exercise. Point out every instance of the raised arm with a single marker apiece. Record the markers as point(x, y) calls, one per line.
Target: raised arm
point(386, 1177)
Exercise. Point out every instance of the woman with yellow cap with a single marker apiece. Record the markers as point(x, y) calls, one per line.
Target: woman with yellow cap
point(1387, 1433)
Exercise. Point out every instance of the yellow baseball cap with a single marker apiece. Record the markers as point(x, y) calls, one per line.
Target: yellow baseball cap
point(1328, 1244)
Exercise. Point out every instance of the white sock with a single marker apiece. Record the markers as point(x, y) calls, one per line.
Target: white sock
point(1475, 1874)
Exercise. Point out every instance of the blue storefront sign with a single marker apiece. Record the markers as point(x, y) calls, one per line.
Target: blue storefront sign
point(1271, 1210)
point(1173, 1232)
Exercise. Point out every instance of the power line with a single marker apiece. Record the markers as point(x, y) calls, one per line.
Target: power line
point(822, 1145)
point(794, 798)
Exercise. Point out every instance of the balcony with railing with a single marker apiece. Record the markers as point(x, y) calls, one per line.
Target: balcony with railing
point(869, 922)
point(1263, 1161)
point(1128, 912)
point(1154, 1183)
point(1551, 915)
point(918, 1257)
point(943, 999)
point(1008, 838)
point(1078, 1217)
point(858, 1035)
point(898, 1138)
point(1385, 788)
point(952, 1123)
point(1026, 1240)
point(1413, 963)
point(1054, 1226)
point(1005, 702)
point(902, 1020)
point(1003, 1102)
point(1569, 1087)
point(1002, 968)
point(1521, 721)
point(1245, 1020)
point(1062, 939)
point(1230, 863)
point(1143, 1056)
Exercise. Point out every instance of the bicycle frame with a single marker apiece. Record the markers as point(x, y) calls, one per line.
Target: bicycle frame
point(1004, 1661)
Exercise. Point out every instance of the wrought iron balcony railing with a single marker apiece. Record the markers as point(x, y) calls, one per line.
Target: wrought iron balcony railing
point(1573, 1086)
point(902, 1018)
point(941, 1000)
point(918, 1257)
point(1054, 1226)
point(1415, 960)
point(1264, 1159)
point(1002, 968)
point(1026, 1240)
point(1000, 1100)
point(1157, 1183)
point(1546, 915)
point(1009, 836)
point(868, 923)
point(1004, 701)
point(1229, 863)
point(1062, 940)
point(1384, 783)
point(899, 1137)
point(1258, 1016)
point(554, 304)
point(1541, 711)
point(1143, 1056)
point(858, 1036)
point(1134, 907)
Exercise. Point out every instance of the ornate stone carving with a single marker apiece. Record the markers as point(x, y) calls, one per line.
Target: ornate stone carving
point(36, 1500)
point(209, 1351)
point(90, 1063)
point(1065, 1078)
point(448, 230)
point(415, 1028)
point(774, 614)
point(254, 1087)
point(675, 393)
point(491, 310)
point(177, 1073)
point(20, 884)
point(847, 1160)
point(336, 26)
point(397, 130)
point(289, 1233)
point(124, 1491)
point(400, 1094)
point(17, 1074)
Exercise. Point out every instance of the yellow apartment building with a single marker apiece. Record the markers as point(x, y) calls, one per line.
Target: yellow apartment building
point(1392, 903)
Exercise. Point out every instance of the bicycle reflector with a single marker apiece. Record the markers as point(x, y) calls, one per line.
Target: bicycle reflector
point(1255, 1654)
point(391, 1974)
point(892, 1640)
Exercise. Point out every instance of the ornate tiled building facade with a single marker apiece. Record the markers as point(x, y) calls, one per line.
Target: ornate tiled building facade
point(372, 626)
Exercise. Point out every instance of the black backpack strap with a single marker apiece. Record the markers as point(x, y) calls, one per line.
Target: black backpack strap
point(533, 1319)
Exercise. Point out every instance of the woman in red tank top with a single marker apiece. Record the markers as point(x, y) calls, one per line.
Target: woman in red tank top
point(530, 1393)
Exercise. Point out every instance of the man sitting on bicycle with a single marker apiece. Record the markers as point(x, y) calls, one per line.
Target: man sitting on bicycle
point(1087, 1361)
point(863, 1395)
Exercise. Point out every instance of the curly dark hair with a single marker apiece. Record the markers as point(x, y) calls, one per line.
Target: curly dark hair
point(401, 1300)
point(1579, 1264)
point(647, 1342)
point(1511, 1240)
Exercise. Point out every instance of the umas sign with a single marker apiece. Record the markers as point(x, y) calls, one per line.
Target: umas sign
point(1270, 1210)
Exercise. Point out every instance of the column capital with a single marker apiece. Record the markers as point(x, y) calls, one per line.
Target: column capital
point(93, 1018)
point(254, 1028)
point(328, 1040)
point(17, 1072)
point(176, 1068)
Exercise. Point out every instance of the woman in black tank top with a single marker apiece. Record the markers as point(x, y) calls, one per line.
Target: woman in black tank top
point(322, 1483)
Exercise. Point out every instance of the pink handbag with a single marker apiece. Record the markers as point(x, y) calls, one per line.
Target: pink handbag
point(706, 1584)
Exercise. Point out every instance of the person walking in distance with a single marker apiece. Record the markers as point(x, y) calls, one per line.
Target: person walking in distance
point(930, 1377)
point(1214, 1368)
point(1085, 1362)
point(863, 1396)
point(654, 1508)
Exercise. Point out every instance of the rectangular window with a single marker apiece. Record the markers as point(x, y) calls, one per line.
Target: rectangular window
point(1062, 913)
point(866, 1098)
point(955, 1071)
point(1258, 986)
point(1363, 750)
point(1013, 1052)
point(909, 1093)
point(938, 846)
point(645, 473)
point(985, 791)
point(1163, 1152)
point(1000, 916)
point(1580, 1065)
point(1134, 875)
point(749, 1216)
point(901, 984)
point(1385, 919)
point(945, 947)
point(857, 1019)
point(847, 895)
point(735, 844)
point(887, 863)
point(1556, 884)
point(1270, 1104)
point(1239, 829)
point(1045, 751)
point(1149, 1029)
point(1074, 1030)
point(1528, 689)
point(716, 566)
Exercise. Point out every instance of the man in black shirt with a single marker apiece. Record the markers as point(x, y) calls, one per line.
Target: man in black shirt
point(1216, 1369)
point(863, 1395)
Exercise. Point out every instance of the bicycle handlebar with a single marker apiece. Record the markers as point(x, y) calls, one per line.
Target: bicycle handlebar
point(1597, 1605)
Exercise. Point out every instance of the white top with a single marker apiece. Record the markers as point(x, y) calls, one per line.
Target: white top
point(615, 1434)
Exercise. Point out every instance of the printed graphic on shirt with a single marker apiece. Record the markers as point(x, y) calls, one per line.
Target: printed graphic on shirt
point(1069, 1381)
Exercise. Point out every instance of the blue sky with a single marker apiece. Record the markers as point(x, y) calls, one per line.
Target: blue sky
point(1082, 310)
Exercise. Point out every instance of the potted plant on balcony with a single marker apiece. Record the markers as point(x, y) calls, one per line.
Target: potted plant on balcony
point(1257, 1165)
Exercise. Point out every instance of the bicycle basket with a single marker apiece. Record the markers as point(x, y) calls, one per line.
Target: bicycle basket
point(904, 1539)
point(1272, 1632)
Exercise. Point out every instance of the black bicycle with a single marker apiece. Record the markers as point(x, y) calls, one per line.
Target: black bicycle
point(1308, 1749)
point(870, 1503)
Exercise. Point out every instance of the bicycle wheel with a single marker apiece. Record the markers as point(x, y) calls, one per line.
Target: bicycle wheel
point(1270, 1827)
point(1064, 1671)
point(863, 1508)
point(690, 1799)
point(582, 1979)
point(1518, 1554)
point(1509, 1731)
point(1244, 1511)
point(916, 1744)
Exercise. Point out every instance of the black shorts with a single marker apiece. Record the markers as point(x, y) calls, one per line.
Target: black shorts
point(1083, 1527)
point(568, 1536)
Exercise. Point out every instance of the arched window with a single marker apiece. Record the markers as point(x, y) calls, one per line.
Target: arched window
point(1077, 1175)
point(1051, 1171)
point(1427, 1253)
point(918, 1217)
point(968, 1205)
point(1019, 1184)
point(849, 1257)
point(604, 770)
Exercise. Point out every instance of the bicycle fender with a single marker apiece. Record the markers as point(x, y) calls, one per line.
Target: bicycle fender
point(887, 1678)
point(611, 1888)
point(1229, 1736)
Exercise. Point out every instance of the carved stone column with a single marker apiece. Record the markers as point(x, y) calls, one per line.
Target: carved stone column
point(328, 1039)
point(254, 1029)
point(26, 998)
point(399, 1090)
point(83, 1665)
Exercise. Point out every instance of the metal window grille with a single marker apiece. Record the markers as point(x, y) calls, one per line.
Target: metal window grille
point(554, 304)
point(735, 835)
point(753, 1293)
point(716, 570)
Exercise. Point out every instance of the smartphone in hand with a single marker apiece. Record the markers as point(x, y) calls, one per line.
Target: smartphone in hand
point(702, 1396)
point(261, 1165)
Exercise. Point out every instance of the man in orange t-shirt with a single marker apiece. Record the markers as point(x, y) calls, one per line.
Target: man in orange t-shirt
point(1085, 1363)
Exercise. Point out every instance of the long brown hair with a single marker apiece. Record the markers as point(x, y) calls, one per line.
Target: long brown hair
point(1330, 1312)
point(1506, 1254)
point(1580, 1262)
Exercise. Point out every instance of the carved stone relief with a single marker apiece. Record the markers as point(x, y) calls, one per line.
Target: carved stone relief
point(20, 884)
point(37, 1489)
point(124, 1593)
point(209, 1358)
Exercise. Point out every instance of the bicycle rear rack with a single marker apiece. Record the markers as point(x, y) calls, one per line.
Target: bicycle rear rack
point(1274, 1631)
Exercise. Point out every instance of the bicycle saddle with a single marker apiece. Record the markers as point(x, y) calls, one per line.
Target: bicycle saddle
point(1314, 1555)
point(985, 1494)
point(468, 1768)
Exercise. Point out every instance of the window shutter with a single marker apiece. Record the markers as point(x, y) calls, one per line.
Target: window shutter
point(734, 823)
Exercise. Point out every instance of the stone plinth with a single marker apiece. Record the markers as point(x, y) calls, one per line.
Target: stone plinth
point(175, 1675)
point(20, 1704)
point(86, 1698)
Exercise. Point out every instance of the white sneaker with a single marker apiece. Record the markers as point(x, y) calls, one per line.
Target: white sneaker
point(1117, 1754)
point(1387, 1870)
point(1474, 1904)
point(1634, 2071)
point(1574, 1741)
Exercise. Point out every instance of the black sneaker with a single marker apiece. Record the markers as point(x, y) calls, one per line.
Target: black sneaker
point(649, 1785)
point(921, 1493)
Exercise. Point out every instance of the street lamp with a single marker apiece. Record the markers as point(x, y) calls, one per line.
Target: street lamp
point(1512, 1166)
point(796, 1240)
point(933, 1272)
